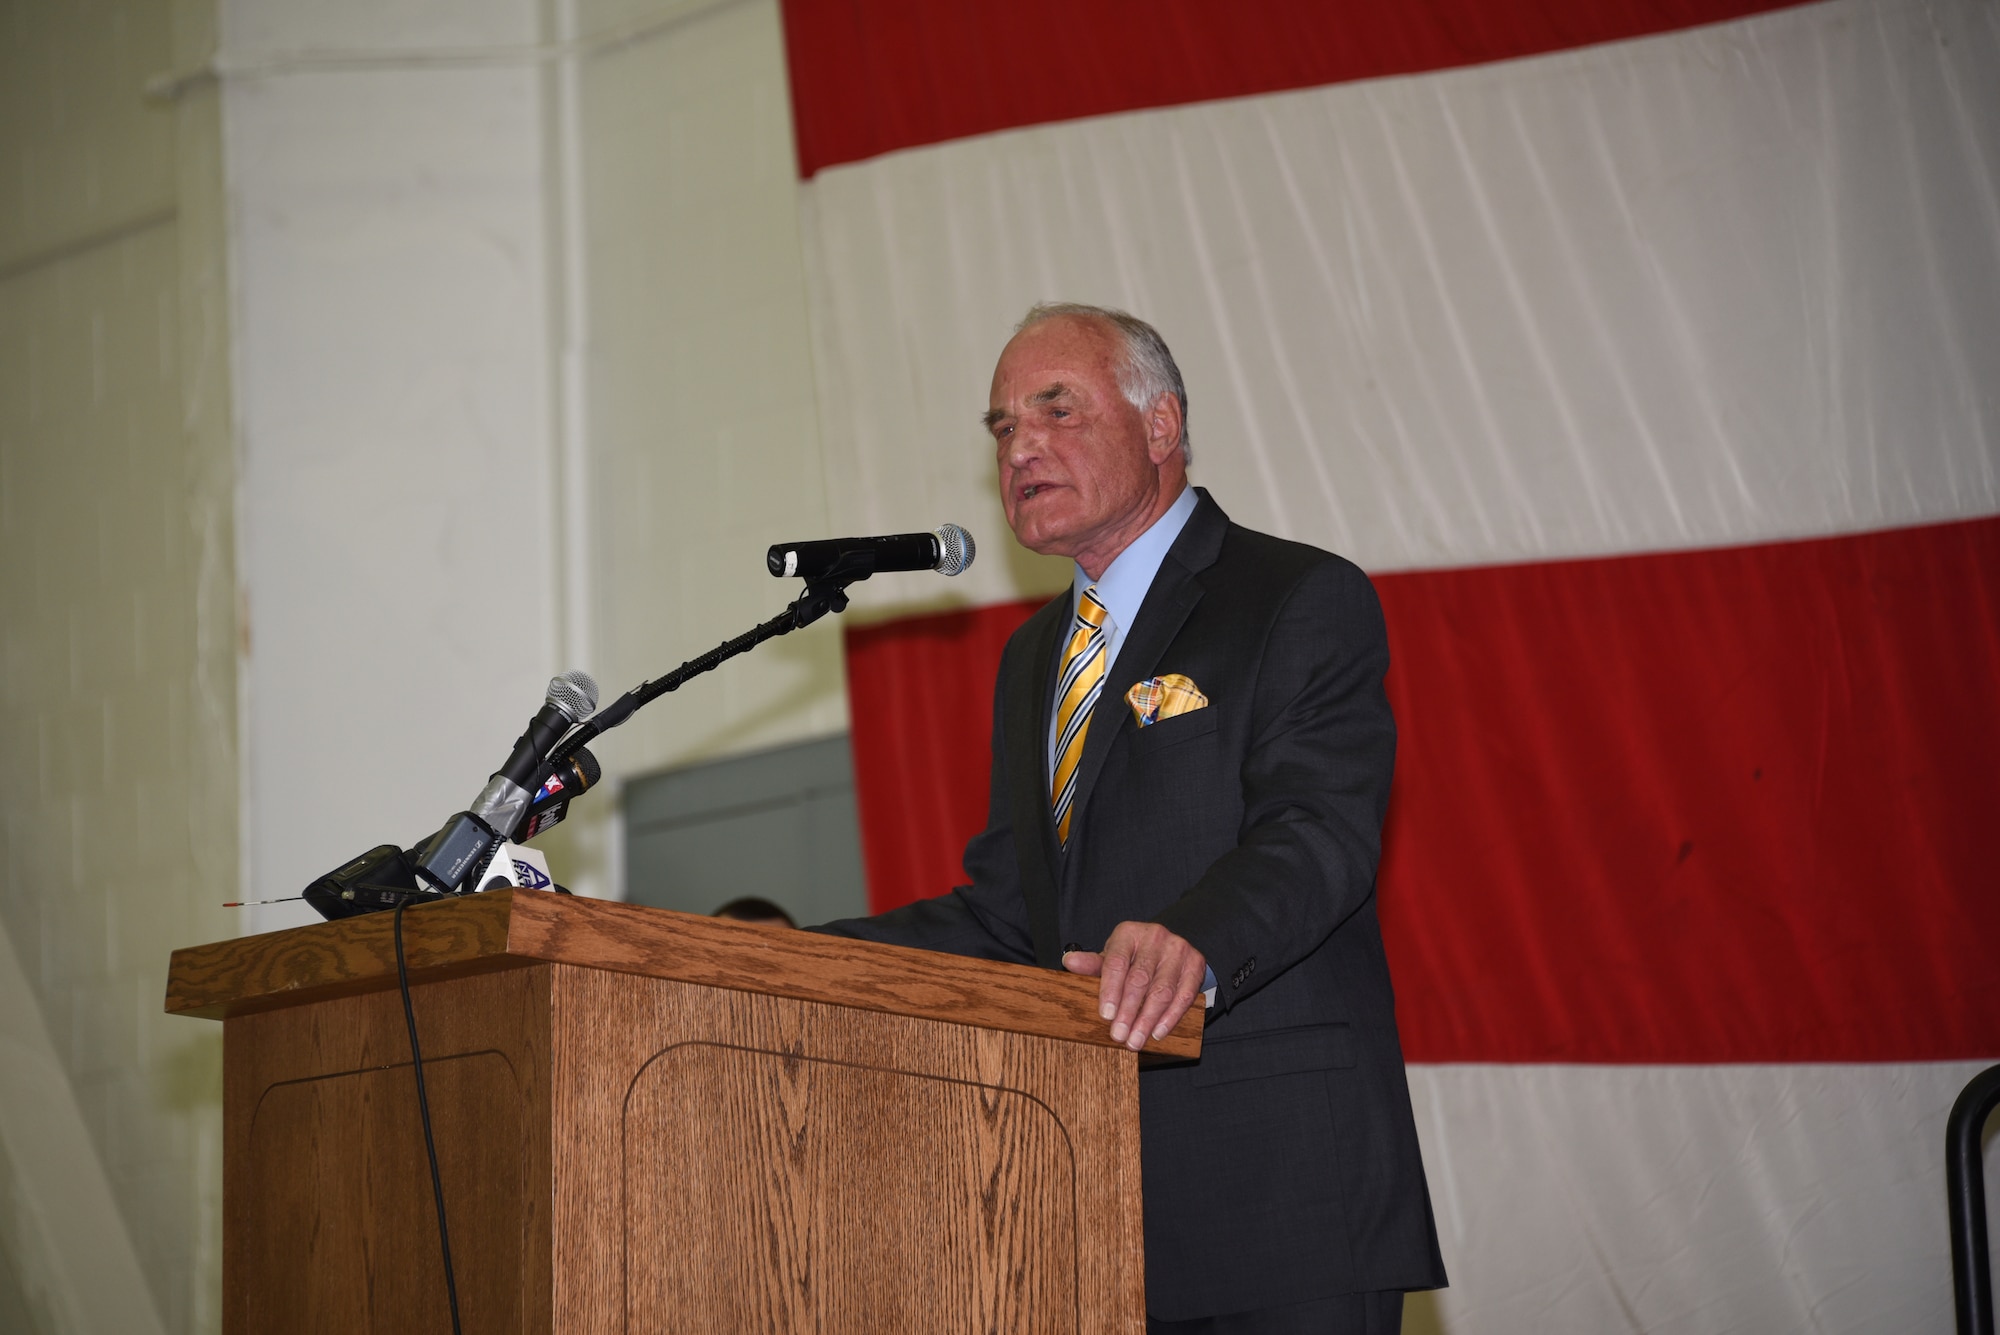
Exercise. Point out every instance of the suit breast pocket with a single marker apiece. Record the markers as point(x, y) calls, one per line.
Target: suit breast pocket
point(1174, 731)
point(1173, 783)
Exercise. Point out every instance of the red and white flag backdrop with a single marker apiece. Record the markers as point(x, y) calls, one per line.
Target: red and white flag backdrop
point(1647, 353)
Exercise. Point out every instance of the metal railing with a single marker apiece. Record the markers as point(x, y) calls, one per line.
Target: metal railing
point(1965, 1190)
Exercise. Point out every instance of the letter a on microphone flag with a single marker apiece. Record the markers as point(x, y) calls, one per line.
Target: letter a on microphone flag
point(1644, 352)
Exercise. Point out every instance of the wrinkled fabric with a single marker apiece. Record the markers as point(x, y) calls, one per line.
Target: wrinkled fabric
point(1657, 383)
point(1725, 286)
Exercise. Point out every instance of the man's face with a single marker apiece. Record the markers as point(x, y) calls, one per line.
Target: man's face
point(1082, 472)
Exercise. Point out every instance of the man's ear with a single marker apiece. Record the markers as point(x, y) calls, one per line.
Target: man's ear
point(1163, 429)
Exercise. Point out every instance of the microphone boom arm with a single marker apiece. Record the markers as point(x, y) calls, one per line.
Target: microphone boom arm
point(828, 593)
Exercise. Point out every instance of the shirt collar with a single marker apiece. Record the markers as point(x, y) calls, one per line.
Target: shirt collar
point(1122, 588)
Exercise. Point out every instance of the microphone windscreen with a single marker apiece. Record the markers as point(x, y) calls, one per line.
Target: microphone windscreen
point(574, 693)
point(955, 548)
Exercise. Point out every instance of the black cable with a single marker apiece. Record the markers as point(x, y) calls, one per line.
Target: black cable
point(424, 1110)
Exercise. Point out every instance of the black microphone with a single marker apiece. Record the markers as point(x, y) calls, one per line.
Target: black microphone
point(570, 699)
point(571, 778)
point(946, 549)
point(381, 878)
point(467, 839)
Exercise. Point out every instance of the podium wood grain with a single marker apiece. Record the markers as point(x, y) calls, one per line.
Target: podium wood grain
point(328, 1220)
point(503, 929)
point(648, 1121)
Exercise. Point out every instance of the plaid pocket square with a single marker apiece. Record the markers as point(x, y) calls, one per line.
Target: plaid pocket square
point(1159, 698)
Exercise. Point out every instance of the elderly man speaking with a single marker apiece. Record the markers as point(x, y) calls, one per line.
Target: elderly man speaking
point(1191, 761)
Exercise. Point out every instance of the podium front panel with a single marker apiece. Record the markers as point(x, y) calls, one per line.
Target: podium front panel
point(853, 1173)
point(330, 1222)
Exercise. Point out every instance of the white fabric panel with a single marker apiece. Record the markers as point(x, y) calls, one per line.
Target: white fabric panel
point(1728, 285)
point(396, 531)
point(1668, 1199)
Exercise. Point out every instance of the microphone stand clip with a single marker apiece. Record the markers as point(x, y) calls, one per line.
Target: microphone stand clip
point(828, 593)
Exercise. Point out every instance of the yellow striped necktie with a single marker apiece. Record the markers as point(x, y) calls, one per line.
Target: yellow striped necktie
point(1076, 691)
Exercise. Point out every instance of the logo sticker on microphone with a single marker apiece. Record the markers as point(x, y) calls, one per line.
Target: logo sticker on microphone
point(532, 877)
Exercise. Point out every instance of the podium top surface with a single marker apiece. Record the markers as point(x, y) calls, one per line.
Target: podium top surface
point(507, 929)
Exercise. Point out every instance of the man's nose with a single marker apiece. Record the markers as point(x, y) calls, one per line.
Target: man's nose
point(1024, 443)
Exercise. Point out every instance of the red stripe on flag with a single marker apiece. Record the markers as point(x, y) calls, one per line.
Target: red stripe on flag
point(1714, 806)
point(920, 692)
point(1730, 805)
point(872, 76)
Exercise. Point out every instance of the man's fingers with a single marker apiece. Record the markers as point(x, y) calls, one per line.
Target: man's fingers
point(1085, 962)
point(1158, 1001)
point(1183, 997)
point(1147, 978)
point(1111, 984)
point(1140, 977)
point(1168, 999)
point(1147, 984)
point(1127, 971)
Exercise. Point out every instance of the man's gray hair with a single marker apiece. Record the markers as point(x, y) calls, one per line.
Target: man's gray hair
point(1149, 370)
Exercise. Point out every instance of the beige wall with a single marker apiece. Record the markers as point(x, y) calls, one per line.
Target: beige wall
point(547, 248)
point(704, 440)
point(523, 384)
point(400, 513)
point(117, 692)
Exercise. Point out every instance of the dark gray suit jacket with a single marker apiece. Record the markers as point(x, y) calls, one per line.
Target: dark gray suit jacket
point(1283, 1166)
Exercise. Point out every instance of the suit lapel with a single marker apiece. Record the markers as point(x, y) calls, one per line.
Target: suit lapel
point(1174, 593)
point(1025, 717)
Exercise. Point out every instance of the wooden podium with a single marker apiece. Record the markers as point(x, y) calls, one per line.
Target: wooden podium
point(648, 1121)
